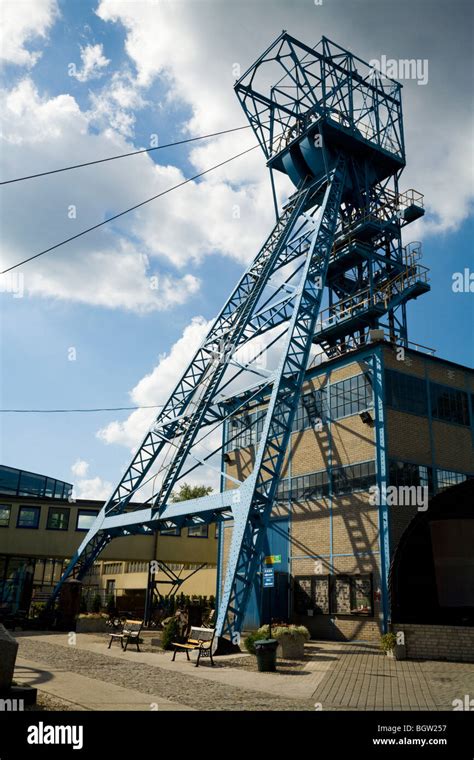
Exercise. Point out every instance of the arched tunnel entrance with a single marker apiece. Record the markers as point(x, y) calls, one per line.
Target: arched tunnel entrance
point(432, 573)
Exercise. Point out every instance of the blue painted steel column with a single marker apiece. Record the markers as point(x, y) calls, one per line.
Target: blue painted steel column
point(382, 478)
point(434, 476)
point(220, 537)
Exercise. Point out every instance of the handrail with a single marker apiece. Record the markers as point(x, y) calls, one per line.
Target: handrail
point(361, 300)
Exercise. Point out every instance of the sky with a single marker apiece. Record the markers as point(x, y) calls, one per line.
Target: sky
point(111, 319)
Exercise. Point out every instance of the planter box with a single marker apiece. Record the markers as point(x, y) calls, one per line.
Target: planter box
point(399, 652)
point(91, 625)
point(291, 647)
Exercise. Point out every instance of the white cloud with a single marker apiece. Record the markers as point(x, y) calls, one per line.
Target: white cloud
point(88, 488)
point(214, 38)
point(21, 24)
point(93, 63)
point(154, 388)
point(92, 488)
point(113, 267)
point(80, 468)
point(114, 106)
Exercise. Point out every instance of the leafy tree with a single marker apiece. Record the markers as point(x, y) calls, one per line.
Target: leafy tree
point(187, 492)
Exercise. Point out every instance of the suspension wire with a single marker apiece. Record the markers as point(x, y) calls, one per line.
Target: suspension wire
point(123, 155)
point(128, 210)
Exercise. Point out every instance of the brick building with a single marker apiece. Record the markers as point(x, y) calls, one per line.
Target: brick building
point(357, 474)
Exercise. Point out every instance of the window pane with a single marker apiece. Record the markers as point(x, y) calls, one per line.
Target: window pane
point(197, 531)
point(449, 404)
point(170, 532)
point(28, 517)
point(9, 479)
point(85, 519)
point(406, 393)
point(4, 515)
point(31, 484)
point(58, 519)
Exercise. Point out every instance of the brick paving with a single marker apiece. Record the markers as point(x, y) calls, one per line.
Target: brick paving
point(334, 676)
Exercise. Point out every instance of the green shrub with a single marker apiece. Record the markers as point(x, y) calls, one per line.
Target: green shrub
point(170, 632)
point(249, 642)
point(279, 631)
point(388, 642)
point(96, 603)
point(111, 606)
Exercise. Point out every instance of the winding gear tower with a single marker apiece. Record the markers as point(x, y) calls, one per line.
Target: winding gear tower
point(332, 269)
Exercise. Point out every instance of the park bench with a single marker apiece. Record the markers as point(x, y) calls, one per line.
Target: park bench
point(200, 639)
point(130, 632)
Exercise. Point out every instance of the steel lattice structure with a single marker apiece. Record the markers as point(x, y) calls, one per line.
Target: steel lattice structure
point(332, 268)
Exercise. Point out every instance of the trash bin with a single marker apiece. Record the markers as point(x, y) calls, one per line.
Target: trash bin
point(266, 655)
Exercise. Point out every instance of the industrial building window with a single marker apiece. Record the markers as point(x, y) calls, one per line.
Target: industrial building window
point(170, 532)
point(405, 392)
point(58, 518)
point(447, 478)
point(350, 396)
point(9, 479)
point(353, 477)
point(137, 567)
point(283, 490)
point(409, 474)
point(112, 568)
point(313, 485)
point(85, 519)
point(449, 404)
point(197, 531)
point(351, 595)
point(5, 510)
point(333, 594)
point(28, 517)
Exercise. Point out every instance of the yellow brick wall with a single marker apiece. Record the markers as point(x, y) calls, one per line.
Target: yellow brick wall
point(411, 364)
point(408, 437)
point(453, 447)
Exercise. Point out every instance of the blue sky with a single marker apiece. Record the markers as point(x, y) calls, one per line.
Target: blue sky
point(169, 72)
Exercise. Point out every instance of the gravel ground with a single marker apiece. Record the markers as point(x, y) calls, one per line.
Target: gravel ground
point(154, 680)
point(45, 703)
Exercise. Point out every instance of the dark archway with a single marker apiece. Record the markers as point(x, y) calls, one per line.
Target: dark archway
point(432, 572)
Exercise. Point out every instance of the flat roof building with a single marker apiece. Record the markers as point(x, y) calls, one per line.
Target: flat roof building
point(333, 538)
point(41, 527)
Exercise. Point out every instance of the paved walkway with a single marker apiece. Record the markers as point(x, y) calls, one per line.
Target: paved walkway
point(335, 676)
point(86, 693)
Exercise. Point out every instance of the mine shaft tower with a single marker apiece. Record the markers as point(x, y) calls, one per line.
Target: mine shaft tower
point(332, 269)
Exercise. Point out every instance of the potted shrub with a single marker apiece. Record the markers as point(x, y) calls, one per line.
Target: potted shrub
point(259, 644)
point(291, 639)
point(91, 622)
point(171, 632)
point(391, 647)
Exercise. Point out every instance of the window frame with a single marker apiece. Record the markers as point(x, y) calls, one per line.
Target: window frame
point(9, 507)
point(33, 508)
point(167, 532)
point(331, 580)
point(190, 535)
point(53, 508)
point(81, 512)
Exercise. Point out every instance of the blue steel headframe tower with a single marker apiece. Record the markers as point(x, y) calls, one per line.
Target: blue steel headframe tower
point(338, 135)
point(325, 97)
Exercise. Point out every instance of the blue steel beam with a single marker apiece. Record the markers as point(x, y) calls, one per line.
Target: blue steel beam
point(352, 182)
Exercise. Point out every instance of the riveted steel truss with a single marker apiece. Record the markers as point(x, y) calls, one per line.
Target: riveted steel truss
point(338, 238)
